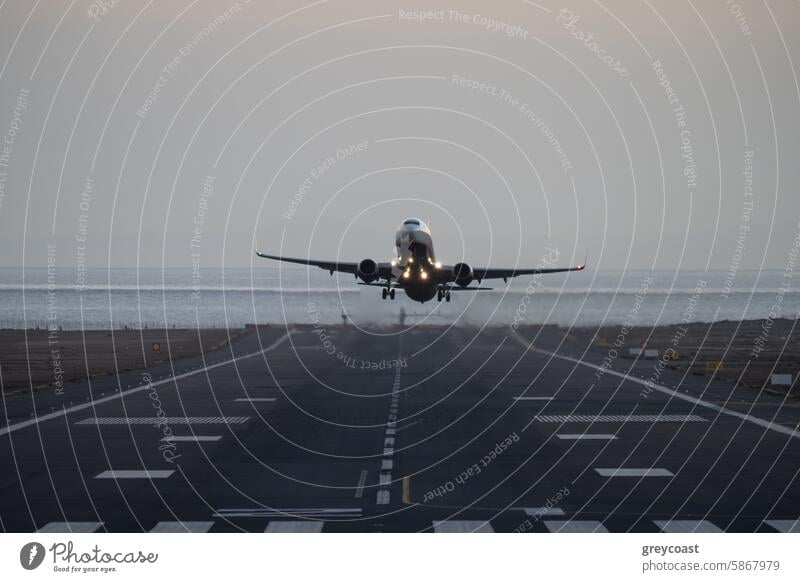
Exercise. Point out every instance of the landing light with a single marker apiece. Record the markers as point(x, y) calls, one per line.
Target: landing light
point(410, 259)
point(438, 265)
point(407, 274)
point(423, 275)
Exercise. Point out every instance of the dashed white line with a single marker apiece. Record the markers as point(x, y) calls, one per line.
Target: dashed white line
point(193, 439)
point(360, 487)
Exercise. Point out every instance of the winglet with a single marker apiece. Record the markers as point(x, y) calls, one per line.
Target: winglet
point(582, 266)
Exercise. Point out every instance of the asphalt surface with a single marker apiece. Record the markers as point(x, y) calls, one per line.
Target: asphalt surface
point(431, 429)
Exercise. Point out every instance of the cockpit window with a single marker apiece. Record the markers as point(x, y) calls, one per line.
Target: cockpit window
point(413, 221)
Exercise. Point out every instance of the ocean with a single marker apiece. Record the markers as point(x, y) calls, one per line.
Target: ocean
point(182, 298)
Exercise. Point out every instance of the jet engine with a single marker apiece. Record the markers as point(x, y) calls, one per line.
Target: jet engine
point(368, 270)
point(462, 274)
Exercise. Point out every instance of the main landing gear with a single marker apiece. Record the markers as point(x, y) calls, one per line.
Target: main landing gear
point(387, 293)
point(443, 294)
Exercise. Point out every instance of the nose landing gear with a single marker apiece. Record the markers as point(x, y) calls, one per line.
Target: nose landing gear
point(387, 293)
point(443, 294)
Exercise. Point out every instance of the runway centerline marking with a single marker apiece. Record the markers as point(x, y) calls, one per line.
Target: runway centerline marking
point(524, 398)
point(361, 481)
point(255, 400)
point(193, 439)
point(664, 390)
point(92, 403)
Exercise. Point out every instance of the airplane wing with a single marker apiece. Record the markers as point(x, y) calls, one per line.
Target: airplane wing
point(384, 269)
point(481, 273)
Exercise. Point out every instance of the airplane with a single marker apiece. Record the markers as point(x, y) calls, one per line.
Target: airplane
point(416, 271)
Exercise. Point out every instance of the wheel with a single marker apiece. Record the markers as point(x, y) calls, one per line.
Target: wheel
point(383, 293)
point(391, 294)
point(438, 295)
point(447, 297)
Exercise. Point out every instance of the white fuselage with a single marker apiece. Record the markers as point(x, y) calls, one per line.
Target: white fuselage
point(416, 263)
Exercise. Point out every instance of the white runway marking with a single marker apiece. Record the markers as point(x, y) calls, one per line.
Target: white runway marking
point(592, 418)
point(136, 474)
point(71, 527)
point(387, 465)
point(542, 511)
point(91, 404)
point(559, 526)
point(664, 390)
point(383, 497)
point(299, 526)
point(784, 525)
point(182, 527)
point(361, 481)
point(687, 526)
point(193, 439)
point(587, 437)
point(127, 420)
point(288, 513)
point(255, 400)
point(622, 472)
point(523, 398)
point(462, 526)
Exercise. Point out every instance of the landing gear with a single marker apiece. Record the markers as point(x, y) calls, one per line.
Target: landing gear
point(387, 293)
point(391, 294)
point(447, 296)
point(442, 294)
point(384, 293)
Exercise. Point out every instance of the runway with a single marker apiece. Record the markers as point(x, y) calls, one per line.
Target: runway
point(429, 429)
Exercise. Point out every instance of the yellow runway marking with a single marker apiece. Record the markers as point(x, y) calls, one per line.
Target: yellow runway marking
point(407, 490)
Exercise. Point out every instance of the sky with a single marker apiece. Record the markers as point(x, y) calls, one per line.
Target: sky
point(653, 135)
